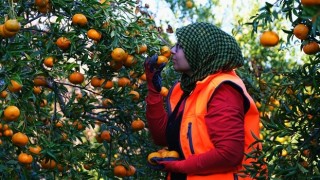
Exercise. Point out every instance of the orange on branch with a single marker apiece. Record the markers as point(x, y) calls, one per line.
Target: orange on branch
point(142, 49)
point(105, 135)
point(63, 43)
point(306, 152)
point(11, 113)
point(37, 89)
point(106, 102)
point(123, 81)
point(43, 102)
point(143, 77)
point(79, 19)
point(25, 158)
point(59, 124)
point(20, 139)
point(301, 31)
point(94, 34)
point(3, 94)
point(87, 166)
point(118, 54)
point(8, 132)
point(131, 171)
point(49, 61)
point(311, 48)
point(96, 81)
point(129, 61)
point(137, 125)
point(40, 81)
point(14, 86)
point(48, 163)
point(35, 149)
point(135, 95)
point(76, 77)
point(78, 125)
point(120, 171)
point(269, 39)
point(165, 51)
point(108, 84)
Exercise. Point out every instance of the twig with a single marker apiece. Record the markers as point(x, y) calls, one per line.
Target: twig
point(80, 87)
point(163, 40)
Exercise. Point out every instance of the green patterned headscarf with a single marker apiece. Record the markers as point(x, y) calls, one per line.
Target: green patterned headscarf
point(208, 50)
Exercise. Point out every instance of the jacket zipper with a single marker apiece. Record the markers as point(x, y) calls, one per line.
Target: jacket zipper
point(189, 136)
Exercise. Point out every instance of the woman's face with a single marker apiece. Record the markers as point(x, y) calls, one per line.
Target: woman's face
point(179, 60)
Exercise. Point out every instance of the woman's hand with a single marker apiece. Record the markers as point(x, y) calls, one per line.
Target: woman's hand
point(153, 72)
point(166, 164)
point(171, 166)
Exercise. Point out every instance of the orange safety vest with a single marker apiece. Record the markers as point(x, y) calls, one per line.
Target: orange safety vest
point(194, 138)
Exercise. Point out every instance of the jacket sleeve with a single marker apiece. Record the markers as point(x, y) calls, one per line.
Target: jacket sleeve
point(225, 123)
point(156, 117)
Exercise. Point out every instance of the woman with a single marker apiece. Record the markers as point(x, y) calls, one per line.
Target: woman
point(210, 116)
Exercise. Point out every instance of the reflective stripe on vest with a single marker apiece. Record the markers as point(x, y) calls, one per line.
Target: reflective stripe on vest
point(194, 138)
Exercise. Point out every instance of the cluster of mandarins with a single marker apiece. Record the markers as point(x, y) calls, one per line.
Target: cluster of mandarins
point(21, 140)
point(12, 113)
point(162, 153)
point(12, 26)
point(301, 31)
point(5, 131)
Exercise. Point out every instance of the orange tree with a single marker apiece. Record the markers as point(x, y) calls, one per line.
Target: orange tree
point(286, 88)
point(72, 83)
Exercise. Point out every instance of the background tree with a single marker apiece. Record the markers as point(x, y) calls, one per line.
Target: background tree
point(289, 91)
point(72, 86)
